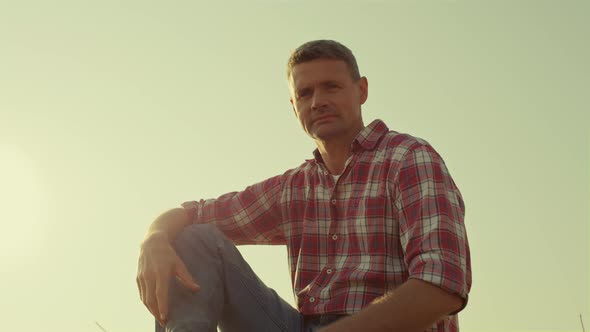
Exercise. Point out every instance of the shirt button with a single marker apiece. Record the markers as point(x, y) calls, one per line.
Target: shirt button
point(312, 299)
point(333, 202)
point(329, 271)
point(325, 172)
point(334, 237)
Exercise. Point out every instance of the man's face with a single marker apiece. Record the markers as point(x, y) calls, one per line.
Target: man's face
point(326, 100)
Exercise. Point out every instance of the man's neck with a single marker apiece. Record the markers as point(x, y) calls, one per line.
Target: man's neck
point(334, 155)
point(335, 152)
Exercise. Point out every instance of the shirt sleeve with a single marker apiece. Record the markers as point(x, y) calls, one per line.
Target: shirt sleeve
point(431, 222)
point(251, 216)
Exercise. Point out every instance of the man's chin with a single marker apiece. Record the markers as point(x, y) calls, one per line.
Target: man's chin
point(326, 133)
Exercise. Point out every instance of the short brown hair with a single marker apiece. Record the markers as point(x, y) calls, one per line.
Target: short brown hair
point(323, 49)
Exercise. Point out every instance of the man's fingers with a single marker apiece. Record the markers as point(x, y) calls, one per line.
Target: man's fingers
point(162, 299)
point(143, 293)
point(185, 277)
point(150, 300)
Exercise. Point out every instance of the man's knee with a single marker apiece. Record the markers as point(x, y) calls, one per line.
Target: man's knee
point(190, 325)
point(199, 237)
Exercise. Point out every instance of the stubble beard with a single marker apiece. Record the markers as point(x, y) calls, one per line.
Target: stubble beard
point(327, 132)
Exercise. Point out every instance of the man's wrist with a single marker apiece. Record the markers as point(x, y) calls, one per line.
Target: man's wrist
point(156, 235)
point(168, 224)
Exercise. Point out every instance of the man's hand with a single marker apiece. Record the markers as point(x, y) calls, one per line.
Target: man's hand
point(158, 262)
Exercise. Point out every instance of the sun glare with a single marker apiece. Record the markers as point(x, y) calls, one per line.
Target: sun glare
point(23, 208)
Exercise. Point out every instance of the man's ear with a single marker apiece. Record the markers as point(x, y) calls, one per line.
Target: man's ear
point(364, 89)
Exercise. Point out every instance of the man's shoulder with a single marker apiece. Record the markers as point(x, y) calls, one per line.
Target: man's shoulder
point(399, 144)
point(306, 167)
point(303, 170)
point(377, 135)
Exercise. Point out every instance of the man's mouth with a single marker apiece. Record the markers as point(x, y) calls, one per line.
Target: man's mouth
point(323, 118)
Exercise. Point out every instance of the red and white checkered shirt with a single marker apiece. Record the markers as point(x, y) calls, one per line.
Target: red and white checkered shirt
point(394, 213)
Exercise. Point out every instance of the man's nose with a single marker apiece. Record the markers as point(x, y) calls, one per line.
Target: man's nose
point(319, 101)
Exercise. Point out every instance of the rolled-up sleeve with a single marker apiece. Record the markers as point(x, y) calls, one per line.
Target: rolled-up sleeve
point(431, 214)
point(251, 216)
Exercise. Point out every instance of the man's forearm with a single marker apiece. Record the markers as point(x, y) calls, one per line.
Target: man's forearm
point(170, 223)
point(412, 307)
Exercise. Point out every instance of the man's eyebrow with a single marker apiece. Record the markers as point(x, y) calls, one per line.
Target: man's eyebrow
point(329, 82)
point(302, 89)
point(322, 83)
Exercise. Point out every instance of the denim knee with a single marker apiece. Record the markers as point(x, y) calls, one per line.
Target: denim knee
point(190, 325)
point(199, 237)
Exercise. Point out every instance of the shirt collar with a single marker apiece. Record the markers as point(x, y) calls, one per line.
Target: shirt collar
point(366, 139)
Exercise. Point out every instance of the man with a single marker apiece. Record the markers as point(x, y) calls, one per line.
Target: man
point(373, 226)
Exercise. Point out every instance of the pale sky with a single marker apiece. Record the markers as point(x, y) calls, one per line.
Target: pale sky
point(112, 112)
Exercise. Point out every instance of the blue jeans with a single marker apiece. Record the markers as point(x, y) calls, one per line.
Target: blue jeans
point(231, 297)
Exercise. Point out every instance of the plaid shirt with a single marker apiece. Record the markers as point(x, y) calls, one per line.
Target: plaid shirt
point(394, 213)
